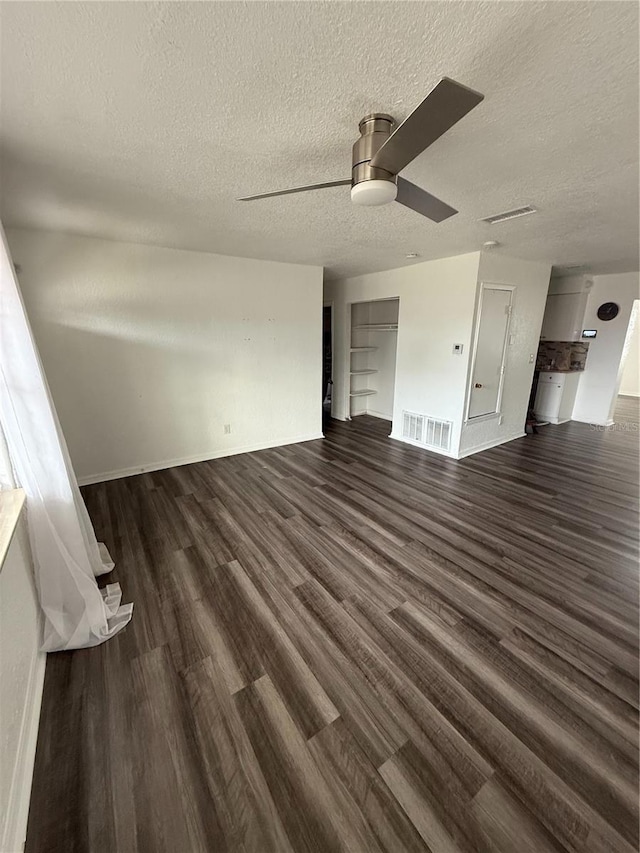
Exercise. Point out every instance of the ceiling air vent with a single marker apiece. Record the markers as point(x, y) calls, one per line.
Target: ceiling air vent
point(428, 431)
point(509, 214)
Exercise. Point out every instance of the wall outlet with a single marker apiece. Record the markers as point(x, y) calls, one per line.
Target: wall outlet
point(532, 358)
point(457, 349)
point(227, 429)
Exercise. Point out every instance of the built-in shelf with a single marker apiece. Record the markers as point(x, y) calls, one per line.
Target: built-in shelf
point(362, 372)
point(379, 327)
point(363, 349)
point(364, 393)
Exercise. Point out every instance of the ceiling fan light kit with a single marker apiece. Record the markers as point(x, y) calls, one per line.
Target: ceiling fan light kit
point(374, 192)
point(381, 152)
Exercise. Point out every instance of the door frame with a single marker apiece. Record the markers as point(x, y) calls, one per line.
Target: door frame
point(482, 286)
point(333, 347)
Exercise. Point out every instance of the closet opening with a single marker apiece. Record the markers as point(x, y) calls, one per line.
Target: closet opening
point(372, 357)
point(327, 362)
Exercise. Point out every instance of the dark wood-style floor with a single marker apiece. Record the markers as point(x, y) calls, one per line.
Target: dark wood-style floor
point(354, 645)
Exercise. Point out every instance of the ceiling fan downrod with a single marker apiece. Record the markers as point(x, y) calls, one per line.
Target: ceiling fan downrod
point(372, 185)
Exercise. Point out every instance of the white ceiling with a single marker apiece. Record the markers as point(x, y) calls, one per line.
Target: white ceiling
point(144, 121)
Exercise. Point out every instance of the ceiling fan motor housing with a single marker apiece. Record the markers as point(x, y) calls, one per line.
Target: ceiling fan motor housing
point(371, 185)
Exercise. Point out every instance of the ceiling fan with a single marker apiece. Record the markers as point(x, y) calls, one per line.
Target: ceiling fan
point(380, 154)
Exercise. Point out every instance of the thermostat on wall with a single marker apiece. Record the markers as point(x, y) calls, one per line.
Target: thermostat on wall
point(589, 333)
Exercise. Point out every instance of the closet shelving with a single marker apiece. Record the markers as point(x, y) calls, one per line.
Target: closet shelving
point(372, 356)
point(378, 327)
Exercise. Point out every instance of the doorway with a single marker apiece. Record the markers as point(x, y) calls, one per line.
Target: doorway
point(327, 360)
point(625, 407)
point(492, 331)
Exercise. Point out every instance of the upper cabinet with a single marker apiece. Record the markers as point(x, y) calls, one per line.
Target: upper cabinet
point(563, 317)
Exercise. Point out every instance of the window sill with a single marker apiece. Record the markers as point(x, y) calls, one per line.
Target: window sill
point(11, 503)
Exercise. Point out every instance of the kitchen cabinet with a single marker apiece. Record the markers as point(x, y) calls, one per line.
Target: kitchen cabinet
point(555, 396)
point(563, 317)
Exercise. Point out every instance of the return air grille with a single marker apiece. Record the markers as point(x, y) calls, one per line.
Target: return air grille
point(428, 431)
point(509, 214)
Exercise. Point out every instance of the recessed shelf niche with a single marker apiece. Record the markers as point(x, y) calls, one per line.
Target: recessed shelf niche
point(374, 330)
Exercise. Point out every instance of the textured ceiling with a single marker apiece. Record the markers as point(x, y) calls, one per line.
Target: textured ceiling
point(143, 122)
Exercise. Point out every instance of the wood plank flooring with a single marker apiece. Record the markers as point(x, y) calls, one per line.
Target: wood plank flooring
point(355, 645)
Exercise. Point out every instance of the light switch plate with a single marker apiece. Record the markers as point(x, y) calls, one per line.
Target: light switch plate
point(457, 349)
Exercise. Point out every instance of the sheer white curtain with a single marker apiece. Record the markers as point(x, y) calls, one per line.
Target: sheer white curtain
point(66, 555)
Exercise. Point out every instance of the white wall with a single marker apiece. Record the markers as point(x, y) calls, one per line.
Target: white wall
point(630, 380)
point(22, 668)
point(531, 282)
point(568, 284)
point(598, 385)
point(436, 310)
point(150, 351)
point(381, 403)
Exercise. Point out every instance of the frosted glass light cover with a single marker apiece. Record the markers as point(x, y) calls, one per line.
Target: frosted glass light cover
point(374, 192)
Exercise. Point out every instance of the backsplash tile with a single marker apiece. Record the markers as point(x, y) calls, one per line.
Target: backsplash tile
point(562, 355)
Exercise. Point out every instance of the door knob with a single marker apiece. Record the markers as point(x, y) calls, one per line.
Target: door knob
point(478, 385)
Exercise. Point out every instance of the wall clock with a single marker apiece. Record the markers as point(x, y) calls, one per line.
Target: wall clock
point(608, 311)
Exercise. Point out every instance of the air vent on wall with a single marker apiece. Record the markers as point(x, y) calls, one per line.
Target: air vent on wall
point(428, 431)
point(509, 214)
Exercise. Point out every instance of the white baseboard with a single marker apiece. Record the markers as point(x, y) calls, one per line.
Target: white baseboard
point(426, 447)
point(607, 423)
point(15, 828)
point(382, 415)
point(487, 445)
point(188, 460)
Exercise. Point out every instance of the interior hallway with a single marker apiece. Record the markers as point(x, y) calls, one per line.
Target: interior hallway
point(356, 645)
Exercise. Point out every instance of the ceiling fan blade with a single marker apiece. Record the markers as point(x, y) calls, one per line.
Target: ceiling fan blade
point(445, 105)
point(423, 202)
point(298, 190)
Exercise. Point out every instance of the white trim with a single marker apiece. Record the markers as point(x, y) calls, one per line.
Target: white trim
point(478, 419)
point(426, 447)
point(15, 830)
point(607, 423)
point(381, 415)
point(488, 444)
point(482, 286)
point(188, 460)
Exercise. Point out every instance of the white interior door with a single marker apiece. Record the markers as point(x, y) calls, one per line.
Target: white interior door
point(488, 367)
